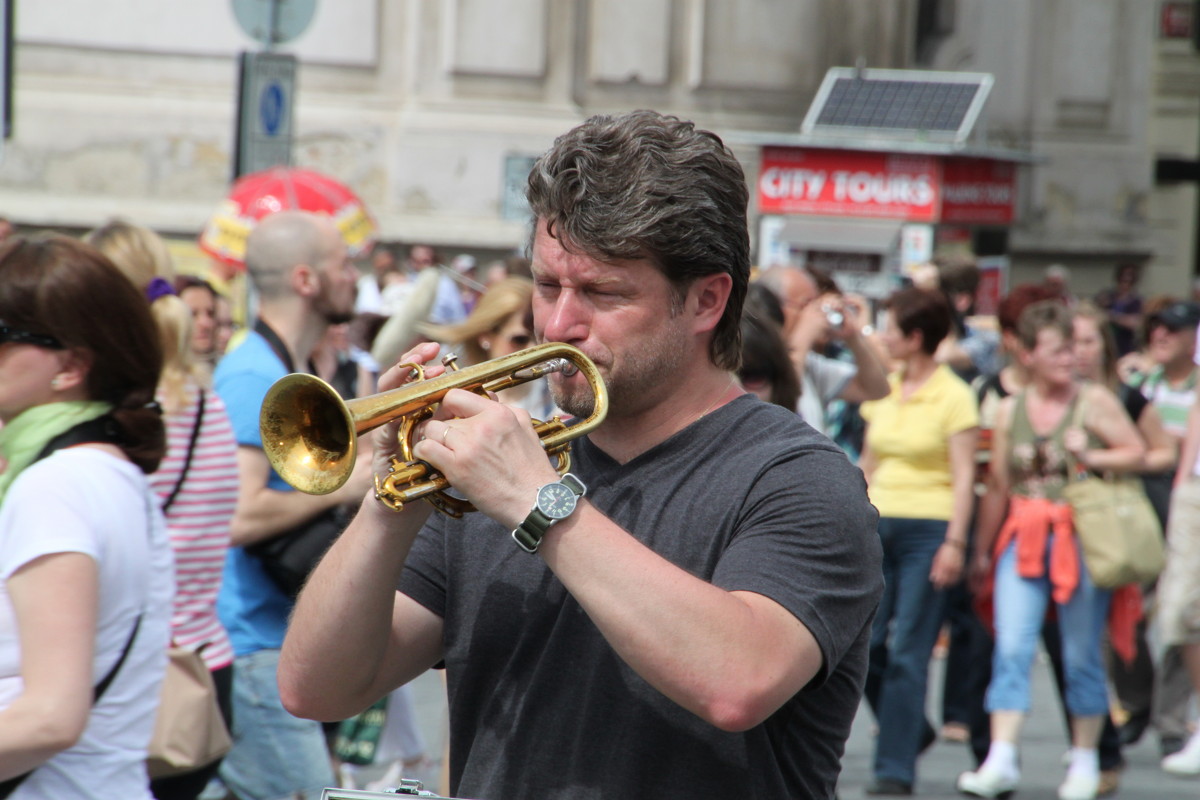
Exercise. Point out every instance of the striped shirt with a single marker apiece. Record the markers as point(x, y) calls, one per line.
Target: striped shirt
point(198, 521)
point(1173, 401)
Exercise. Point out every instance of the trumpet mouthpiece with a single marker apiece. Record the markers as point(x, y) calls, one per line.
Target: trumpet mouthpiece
point(545, 368)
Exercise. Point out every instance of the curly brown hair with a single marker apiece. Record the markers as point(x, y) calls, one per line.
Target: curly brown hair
point(646, 185)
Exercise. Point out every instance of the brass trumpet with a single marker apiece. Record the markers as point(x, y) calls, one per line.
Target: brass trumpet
point(310, 434)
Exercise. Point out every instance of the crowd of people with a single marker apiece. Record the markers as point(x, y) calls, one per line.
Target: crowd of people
point(711, 591)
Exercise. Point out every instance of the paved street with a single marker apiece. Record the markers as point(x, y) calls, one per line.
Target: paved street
point(1042, 746)
point(1043, 743)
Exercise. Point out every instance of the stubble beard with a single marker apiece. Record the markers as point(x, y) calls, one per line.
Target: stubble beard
point(329, 312)
point(635, 387)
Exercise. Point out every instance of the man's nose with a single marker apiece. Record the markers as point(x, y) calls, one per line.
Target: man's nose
point(567, 320)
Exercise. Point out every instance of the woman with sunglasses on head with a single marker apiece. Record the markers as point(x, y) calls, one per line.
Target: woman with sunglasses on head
point(1056, 424)
point(86, 576)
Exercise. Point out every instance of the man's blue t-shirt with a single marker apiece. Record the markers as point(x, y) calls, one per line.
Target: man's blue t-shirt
point(251, 607)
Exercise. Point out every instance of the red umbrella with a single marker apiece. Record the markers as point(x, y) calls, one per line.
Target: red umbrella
point(258, 194)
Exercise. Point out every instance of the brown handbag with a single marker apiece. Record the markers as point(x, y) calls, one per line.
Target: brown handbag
point(189, 731)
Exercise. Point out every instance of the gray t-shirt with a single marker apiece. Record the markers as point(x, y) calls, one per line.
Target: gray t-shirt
point(748, 498)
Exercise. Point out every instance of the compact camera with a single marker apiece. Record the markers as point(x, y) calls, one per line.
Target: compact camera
point(833, 315)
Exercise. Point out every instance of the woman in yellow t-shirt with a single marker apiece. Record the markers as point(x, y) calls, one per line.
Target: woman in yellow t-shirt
point(919, 462)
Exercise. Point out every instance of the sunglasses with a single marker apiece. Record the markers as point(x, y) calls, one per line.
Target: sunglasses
point(17, 336)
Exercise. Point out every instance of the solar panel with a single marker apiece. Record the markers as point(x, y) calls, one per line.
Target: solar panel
point(932, 105)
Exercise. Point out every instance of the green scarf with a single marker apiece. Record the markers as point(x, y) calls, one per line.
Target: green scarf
point(27, 433)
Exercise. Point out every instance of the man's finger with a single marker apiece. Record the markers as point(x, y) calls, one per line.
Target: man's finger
point(461, 403)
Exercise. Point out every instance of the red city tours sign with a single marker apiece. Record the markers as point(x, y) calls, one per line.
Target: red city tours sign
point(854, 183)
point(978, 190)
point(858, 183)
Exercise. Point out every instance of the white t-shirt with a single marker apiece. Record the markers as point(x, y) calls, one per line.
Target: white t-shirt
point(822, 383)
point(85, 500)
point(370, 297)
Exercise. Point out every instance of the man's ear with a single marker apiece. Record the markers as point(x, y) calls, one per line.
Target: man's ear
point(709, 295)
point(304, 280)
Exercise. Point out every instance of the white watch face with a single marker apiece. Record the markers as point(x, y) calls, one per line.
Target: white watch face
point(556, 501)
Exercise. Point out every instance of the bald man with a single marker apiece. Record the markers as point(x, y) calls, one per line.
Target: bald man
point(305, 282)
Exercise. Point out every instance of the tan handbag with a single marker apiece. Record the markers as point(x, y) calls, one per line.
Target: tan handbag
point(1118, 531)
point(190, 731)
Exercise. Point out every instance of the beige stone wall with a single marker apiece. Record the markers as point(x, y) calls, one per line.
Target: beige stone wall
point(1175, 133)
point(1073, 81)
point(415, 103)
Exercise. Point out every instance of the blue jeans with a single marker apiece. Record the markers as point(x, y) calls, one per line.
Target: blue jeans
point(274, 755)
point(902, 638)
point(1020, 608)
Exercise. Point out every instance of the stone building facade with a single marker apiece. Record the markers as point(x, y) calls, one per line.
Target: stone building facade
point(431, 109)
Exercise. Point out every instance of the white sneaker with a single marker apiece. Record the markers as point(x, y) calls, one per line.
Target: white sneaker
point(1078, 786)
point(1187, 761)
point(988, 783)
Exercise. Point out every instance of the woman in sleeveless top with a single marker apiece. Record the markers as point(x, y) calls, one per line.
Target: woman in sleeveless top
point(1025, 527)
point(198, 499)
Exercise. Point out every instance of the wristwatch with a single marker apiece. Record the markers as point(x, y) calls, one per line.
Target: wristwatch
point(555, 501)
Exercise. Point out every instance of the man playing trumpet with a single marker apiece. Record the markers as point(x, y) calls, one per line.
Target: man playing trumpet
point(687, 612)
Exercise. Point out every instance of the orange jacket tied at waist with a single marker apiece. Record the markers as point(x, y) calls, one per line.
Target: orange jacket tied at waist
point(1030, 522)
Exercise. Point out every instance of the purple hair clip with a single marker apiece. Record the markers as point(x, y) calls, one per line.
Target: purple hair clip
point(157, 287)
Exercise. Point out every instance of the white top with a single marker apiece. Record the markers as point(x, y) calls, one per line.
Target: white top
point(85, 500)
point(370, 297)
point(822, 383)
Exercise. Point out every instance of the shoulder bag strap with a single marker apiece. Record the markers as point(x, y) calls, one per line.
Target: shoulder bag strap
point(9, 786)
point(264, 330)
point(102, 429)
point(107, 680)
point(187, 460)
point(1077, 470)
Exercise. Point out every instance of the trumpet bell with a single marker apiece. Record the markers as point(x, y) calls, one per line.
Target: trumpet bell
point(308, 434)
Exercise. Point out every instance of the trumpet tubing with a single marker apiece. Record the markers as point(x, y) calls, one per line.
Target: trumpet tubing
point(310, 434)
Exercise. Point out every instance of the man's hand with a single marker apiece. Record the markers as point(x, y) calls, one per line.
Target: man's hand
point(386, 445)
point(385, 441)
point(489, 452)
